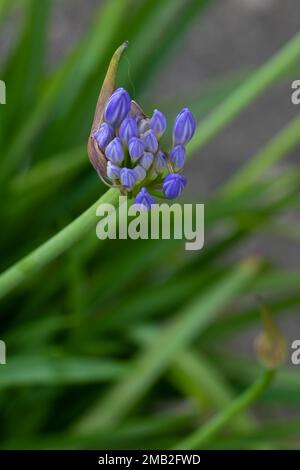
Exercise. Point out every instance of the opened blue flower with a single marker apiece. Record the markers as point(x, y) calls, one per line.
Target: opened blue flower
point(114, 151)
point(158, 123)
point(128, 129)
point(173, 185)
point(117, 107)
point(177, 157)
point(144, 200)
point(104, 135)
point(135, 148)
point(184, 127)
point(128, 178)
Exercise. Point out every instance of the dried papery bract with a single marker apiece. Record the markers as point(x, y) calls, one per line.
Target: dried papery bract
point(95, 154)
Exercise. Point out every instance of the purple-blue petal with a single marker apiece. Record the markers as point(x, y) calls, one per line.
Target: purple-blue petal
point(147, 160)
point(160, 162)
point(128, 178)
point(114, 151)
point(158, 123)
point(113, 171)
point(118, 107)
point(177, 157)
point(128, 129)
point(136, 148)
point(104, 135)
point(140, 173)
point(144, 200)
point(150, 141)
point(184, 127)
point(173, 185)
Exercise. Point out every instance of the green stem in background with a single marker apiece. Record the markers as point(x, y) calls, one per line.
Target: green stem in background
point(56, 245)
point(206, 433)
point(238, 100)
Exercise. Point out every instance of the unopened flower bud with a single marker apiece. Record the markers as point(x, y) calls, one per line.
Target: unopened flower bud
point(144, 200)
point(128, 129)
point(114, 151)
point(177, 157)
point(158, 123)
point(113, 171)
point(136, 148)
point(104, 135)
point(173, 185)
point(128, 178)
point(150, 141)
point(118, 107)
point(147, 160)
point(184, 127)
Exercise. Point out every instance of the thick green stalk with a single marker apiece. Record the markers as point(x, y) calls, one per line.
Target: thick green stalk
point(237, 101)
point(203, 436)
point(61, 242)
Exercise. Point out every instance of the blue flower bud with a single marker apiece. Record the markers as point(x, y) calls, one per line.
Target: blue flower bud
point(113, 171)
point(104, 135)
point(114, 151)
point(158, 123)
point(150, 141)
point(128, 129)
point(118, 107)
point(128, 178)
point(174, 185)
point(136, 148)
point(144, 200)
point(184, 127)
point(160, 162)
point(140, 173)
point(177, 157)
point(147, 160)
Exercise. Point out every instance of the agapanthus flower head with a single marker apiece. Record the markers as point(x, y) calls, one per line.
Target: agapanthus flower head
point(135, 148)
point(114, 151)
point(128, 178)
point(104, 135)
point(144, 200)
point(184, 127)
point(150, 141)
point(173, 185)
point(118, 107)
point(177, 157)
point(126, 149)
point(128, 129)
point(158, 123)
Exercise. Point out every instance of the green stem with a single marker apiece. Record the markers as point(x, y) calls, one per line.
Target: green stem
point(237, 101)
point(204, 435)
point(56, 245)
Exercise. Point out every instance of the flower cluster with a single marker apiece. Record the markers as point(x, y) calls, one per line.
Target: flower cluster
point(130, 143)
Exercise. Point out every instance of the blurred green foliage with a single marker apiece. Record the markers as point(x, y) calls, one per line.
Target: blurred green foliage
point(113, 345)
